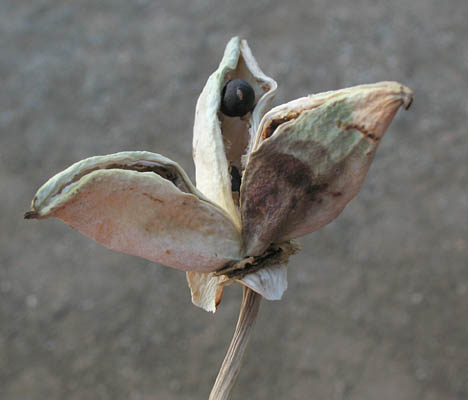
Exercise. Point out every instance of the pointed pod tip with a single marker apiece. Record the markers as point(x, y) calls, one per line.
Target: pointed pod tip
point(407, 101)
point(406, 96)
point(31, 214)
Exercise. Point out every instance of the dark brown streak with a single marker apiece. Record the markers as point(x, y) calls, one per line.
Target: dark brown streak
point(152, 198)
point(241, 268)
point(357, 127)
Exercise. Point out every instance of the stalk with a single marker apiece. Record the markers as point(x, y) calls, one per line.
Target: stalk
point(230, 367)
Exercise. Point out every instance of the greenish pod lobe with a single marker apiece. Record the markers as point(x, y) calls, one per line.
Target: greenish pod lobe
point(310, 159)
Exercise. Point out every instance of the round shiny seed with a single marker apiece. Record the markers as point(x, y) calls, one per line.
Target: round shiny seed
point(237, 98)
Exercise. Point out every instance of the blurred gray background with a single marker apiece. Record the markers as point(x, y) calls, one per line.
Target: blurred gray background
point(377, 303)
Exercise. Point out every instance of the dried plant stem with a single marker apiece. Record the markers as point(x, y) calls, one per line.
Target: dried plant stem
point(229, 370)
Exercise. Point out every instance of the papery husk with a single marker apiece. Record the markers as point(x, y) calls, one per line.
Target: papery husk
point(142, 204)
point(310, 159)
point(270, 282)
point(216, 146)
point(206, 289)
point(265, 275)
point(270, 276)
point(215, 134)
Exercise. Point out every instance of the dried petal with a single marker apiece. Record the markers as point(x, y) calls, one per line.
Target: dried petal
point(270, 282)
point(220, 141)
point(143, 204)
point(310, 159)
point(206, 289)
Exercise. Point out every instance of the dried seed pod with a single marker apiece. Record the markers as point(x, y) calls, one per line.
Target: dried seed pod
point(143, 204)
point(219, 141)
point(310, 159)
point(237, 98)
point(301, 164)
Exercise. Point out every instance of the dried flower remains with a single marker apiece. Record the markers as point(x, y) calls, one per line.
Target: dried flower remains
point(262, 180)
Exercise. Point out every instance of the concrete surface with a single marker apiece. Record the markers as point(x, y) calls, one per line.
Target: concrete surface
point(378, 300)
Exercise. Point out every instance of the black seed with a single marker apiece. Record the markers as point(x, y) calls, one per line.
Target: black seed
point(235, 179)
point(237, 98)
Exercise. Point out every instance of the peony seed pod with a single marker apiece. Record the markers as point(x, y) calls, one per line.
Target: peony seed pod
point(261, 180)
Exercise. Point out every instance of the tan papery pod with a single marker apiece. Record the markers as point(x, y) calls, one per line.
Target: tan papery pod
point(142, 204)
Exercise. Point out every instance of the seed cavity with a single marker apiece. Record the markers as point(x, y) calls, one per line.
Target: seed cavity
point(274, 123)
point(235, 178)
point(167, 172)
